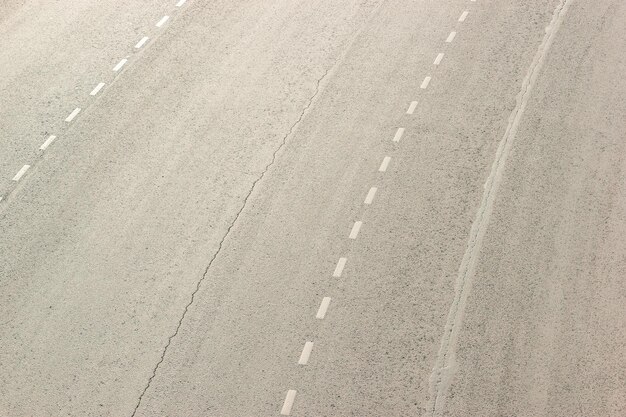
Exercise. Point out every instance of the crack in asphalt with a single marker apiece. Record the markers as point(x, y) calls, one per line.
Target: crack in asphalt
point(228, 230)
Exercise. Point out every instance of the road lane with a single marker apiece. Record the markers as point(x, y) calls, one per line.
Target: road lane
point(545, 327)
point(104, 244)
point(52, 55)
point(237, 351)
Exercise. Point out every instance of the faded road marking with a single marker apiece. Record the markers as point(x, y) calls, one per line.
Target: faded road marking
point(355, 229)
point(306, 353)
point(339, 268)
point(120, 64)
point(97, 89)
point(21, 173)
point(370, 195)
point(141, 42)
point(162, 21)
point(321, 312)
point(384, 164)
point(47, 143)
point(73, 114)
point(291, 396)
point(398, 135)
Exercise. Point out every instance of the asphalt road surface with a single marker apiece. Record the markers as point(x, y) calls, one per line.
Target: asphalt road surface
point(313, 208)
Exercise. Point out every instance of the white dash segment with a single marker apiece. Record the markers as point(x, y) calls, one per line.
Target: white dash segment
point(47, 143)
point(451, 37)
point(412, 107)
point(370, 195)
point(399, 134)
point(463, 16)
point(120, 65)
point(21, 173)
point(141, 42)
point(438, 59)
point(384, 164)
point(425, 83)
point(73, 114)
point(180, 3)
point(355, 229)
point(162, 21)
point(321, 312)
point(97, 89)
point(339, 268)
point(291, 396)
point(306, 353)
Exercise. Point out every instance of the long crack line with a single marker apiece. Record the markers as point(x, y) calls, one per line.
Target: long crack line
point(221, 244)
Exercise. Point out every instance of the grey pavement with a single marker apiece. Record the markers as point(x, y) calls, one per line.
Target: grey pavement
point(167, 254)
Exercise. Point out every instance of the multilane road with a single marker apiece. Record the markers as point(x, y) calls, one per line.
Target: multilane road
point(313, 208)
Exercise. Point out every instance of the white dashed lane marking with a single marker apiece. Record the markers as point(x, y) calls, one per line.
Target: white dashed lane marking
point(425, 83)
point(291, 396)
point(47, 143)
point(180, 3)
point(438, 59)
point(398, 135)
point(355, 229)
point(21, 173)
point(451, 37)
point(162, 21)
point(384, 164)
point(120, 65)
point(370, 195)
point(412, 107)
point(97, 89)
point(321, 312)
point(463, 16)
point(339, 268)
point(141, 42)
point(72, 114)
point(306, 353)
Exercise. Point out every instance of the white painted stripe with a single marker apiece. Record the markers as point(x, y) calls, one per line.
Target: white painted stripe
point(463, 16)
point(141, 42)
point(425, 83)
point(339, 268)
point(412, 107)
point(370, 195)
point(384, 164)
point(321, 312)
point(398, 135)
point(439, 58)
point(120, 65)
point(355, 229)
point(21, 173)
point(47, 143)
point(306, 353)
point(73, 114)
point(162, 21)
point(180, 3)
point(451, 37)
point(97, 89)
point(291, 396)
